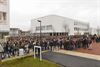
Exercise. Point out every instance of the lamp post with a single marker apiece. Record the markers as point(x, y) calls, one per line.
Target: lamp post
point(39, 46)
point(40, 30)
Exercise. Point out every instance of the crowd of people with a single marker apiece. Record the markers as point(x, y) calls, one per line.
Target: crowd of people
point(13, 44)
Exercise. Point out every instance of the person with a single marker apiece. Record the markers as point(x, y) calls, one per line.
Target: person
point(85, 43)
point(51, 45)
point(66, 45)
point(90, 44)
point(1, 52)
point(45, 45)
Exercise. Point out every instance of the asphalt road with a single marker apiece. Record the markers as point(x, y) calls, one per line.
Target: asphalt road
point(70, 61)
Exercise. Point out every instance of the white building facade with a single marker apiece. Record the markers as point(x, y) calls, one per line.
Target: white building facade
point(4, 18)
point(58, 25)
point(93, 31)
point(15, 32)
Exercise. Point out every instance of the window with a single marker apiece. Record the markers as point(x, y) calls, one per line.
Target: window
point(37, 28)
point(49, 27)
point(2, 16)
point(42, 27)
point(76, 29)
point(81, 29)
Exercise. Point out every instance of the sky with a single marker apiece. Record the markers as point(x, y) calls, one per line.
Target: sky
point(22, 11)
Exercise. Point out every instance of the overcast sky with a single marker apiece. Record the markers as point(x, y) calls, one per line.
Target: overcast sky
point(22, 11)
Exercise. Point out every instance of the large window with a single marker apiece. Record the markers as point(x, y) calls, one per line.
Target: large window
point(37, 28)
point(49, 27)
point(81, 29)
point(42, 27)
point(76, 29)
point(2, 16)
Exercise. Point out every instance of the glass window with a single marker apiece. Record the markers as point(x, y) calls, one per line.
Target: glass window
point(37, 28)
point(42, 27)
point(0, 15)
point(76, 29)
point(4, 15)
point(49, 27)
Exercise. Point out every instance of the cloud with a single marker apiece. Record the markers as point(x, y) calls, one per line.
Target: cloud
point(22, 11)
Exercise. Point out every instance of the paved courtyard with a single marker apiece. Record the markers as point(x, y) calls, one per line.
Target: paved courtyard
point(94, 49)
point(70, 61)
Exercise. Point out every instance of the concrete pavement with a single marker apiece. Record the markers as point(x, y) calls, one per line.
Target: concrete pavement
point(70, 61)
point(79, 54)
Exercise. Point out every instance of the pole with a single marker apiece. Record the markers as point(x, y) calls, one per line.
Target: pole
point(40, 30)
point(34, 53)
point(40, 36)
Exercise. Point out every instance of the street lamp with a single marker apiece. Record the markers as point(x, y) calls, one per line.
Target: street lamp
point(40, 30)
point(39, 46)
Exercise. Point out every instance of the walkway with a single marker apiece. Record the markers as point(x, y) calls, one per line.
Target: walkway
point(70, 61)
point(95, 49)
point(79, 54)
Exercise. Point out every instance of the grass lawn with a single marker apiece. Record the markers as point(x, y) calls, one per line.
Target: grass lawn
point(28, 62)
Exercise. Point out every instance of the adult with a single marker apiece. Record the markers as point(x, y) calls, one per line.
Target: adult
point(1, 51)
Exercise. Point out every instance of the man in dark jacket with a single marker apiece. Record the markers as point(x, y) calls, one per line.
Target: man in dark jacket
point(51, 45)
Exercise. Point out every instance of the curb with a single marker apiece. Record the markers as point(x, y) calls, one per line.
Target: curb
point(18, 57)
point(79, 54)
